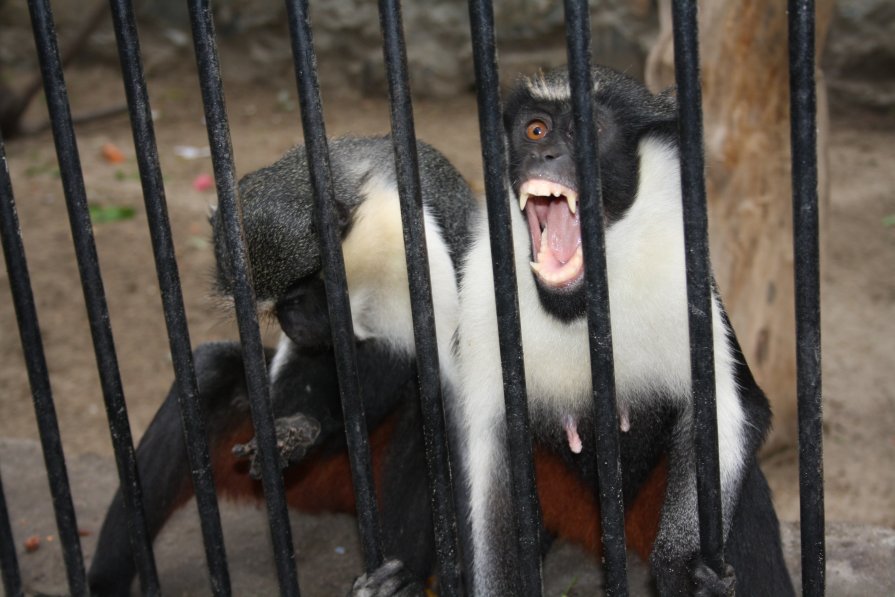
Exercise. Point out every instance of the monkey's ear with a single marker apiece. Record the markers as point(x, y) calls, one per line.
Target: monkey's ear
point(303, 313)
point(343, 212)
point(667, 100)
point(663, 118)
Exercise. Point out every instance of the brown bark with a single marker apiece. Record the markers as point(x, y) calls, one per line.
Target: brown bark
point(745, 83)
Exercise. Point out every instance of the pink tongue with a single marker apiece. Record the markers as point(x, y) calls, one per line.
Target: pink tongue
point(563, 231)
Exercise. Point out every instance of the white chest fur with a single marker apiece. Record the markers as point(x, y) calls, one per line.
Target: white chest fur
point(376, 270)
point(645, 267)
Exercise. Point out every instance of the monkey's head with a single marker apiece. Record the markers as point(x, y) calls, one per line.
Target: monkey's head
point(541, 136)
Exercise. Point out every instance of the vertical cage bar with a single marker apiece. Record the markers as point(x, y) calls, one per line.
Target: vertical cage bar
point(94, 295)
point(699, 294)
point(9, 563)
point(333, 262)
point(192, 417)
point(612, 508)
point(410, 191)
point(525, 496)
point(39, 379)
point(243, 293)
point(803, 119)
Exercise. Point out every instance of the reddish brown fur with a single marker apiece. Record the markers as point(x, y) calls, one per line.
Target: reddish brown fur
point(570, 509)
point(323, 484)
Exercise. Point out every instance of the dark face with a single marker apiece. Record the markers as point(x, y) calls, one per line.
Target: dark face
point(544, 178)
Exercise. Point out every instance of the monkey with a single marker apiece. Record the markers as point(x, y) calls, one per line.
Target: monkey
point(277, 205)
point(638, 153)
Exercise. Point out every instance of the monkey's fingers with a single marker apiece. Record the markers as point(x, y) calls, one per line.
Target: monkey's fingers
point(246, 450)
point(707, 583)
point(389, 580)
point(295, 434)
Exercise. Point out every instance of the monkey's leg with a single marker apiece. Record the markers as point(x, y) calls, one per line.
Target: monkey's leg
point(753, 544)
point(676, 560)
point(489, 540)
point(163, 465)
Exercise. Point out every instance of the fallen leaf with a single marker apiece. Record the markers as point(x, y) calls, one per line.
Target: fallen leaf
point(100, 214)
point(203, 182)
point(112, 154)
point(32, 543)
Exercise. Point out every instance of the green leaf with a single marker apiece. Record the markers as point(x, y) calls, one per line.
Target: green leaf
point(889, 221)
point(100, 214)
point(122, 175)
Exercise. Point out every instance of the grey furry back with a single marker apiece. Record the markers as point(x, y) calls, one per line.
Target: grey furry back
point(278, 209)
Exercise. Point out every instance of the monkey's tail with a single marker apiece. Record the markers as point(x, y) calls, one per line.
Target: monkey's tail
point(163, 465)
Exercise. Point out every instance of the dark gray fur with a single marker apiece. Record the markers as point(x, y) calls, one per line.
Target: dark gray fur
point(278, 209)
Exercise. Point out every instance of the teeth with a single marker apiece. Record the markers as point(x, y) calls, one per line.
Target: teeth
point(572, 199)
point(565, 274)
point(544, 188)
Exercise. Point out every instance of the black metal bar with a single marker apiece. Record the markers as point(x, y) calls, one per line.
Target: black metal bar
point(525, 496)
point(94, 296)
point(192, 416)
point(409, 189)
point(9, 563)
point(803, 110)
point(699, 294)
point(38, 377)
point(593, 244)
point(334, 280)
point(257, 380)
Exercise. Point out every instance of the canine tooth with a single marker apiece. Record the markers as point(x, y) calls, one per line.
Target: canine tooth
point(523, 199)
point(535, 267)
point(572, 199)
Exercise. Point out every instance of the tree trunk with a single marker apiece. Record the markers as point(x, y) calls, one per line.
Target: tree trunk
point(745, 83)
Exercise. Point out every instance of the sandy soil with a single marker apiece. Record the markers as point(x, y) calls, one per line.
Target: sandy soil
point(858, 283)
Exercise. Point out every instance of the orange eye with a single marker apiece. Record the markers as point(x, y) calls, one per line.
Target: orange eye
point(536, 130)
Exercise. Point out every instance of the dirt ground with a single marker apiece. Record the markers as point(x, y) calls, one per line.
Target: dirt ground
point(858, 306)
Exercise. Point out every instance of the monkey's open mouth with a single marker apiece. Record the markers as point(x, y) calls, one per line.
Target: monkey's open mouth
point(553, 221)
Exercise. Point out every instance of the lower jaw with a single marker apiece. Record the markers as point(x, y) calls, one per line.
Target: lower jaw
point(567, 304)
point(566, 287)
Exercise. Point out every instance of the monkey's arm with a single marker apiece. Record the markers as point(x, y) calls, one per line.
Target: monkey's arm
point(307, 384)
point(743, 417)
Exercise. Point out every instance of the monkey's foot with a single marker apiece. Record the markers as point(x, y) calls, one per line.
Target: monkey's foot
point(295, 435)
point(389, 580)
point(708, 583)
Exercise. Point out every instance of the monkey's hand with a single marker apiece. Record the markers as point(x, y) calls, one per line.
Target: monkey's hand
point(295, 435)
point(708, 583)
point(695, 578)
point(389, 580)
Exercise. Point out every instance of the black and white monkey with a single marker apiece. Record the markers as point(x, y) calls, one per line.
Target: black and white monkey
point(644, 244)
point(277, 204)
point(639, 162)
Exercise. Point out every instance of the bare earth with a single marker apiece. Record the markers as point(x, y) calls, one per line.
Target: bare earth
point(858, 282)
